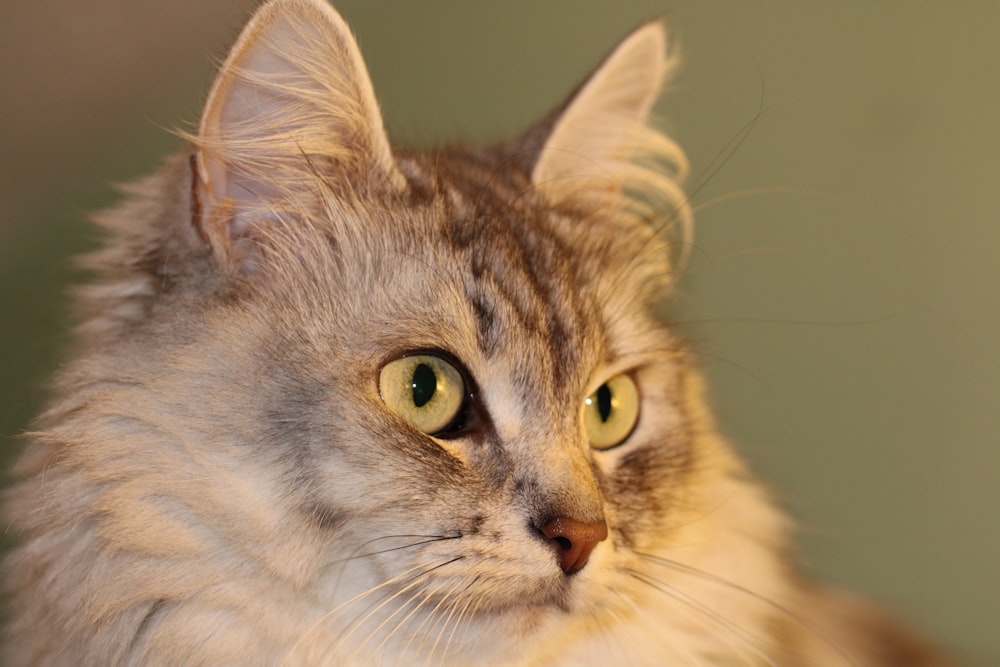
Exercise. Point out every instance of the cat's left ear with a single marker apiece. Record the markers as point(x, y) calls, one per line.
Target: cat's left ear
point(291, 107)
point(587, 147)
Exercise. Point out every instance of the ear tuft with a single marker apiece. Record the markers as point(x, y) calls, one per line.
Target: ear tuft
point(600, 144)
point(596, 129)
point(292, 102)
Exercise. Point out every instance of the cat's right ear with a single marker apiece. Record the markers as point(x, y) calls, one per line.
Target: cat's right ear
point(291, 106)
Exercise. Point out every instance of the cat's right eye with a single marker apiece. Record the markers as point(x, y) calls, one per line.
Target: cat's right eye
point(425, 390)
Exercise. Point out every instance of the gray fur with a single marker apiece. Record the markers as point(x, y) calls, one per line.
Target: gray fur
point(217, 480)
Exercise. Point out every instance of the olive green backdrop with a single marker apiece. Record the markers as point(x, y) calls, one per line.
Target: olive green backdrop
point(842, 291)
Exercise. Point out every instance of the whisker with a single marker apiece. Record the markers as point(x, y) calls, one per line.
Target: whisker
point(399, 609)
point(429, 540)
point(731, 147)
point(430, 618)
point(782, 609)
point(360, 596)
point(746, 637)
point(427, 595)
point(444, 600)
point(452, 606)
point(640, 616)
point(767, 320)
point(461, 617)
point(354, 555)
point(414, 582)
point(615, 638)
point(743, 369)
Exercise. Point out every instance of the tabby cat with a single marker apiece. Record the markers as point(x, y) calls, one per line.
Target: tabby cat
point(335, 403)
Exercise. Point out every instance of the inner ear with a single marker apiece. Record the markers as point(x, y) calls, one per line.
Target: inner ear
point(291, 118)
point(588, 143)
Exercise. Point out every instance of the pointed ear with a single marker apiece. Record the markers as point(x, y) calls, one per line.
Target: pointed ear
point(292, 104)
point(587, 148)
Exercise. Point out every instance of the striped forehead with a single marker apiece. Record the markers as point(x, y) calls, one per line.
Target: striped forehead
point(523, 291)
point(520, 274)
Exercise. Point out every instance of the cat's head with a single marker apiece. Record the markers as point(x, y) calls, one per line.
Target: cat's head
point(434, 381)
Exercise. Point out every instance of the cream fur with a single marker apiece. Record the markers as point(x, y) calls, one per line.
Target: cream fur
point(218, 482)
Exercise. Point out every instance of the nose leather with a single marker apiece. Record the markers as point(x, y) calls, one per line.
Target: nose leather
point(573, 540)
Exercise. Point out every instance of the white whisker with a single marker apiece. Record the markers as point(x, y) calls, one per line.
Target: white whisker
point(416, 581)
point(640, 616)
point(743, 590)
point(462, 616)
point(745, 637)
point(357, 598)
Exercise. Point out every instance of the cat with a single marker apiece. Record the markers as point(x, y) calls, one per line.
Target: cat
point(335, 403)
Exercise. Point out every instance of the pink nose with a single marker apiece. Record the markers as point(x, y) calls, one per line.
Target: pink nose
point(574, 540)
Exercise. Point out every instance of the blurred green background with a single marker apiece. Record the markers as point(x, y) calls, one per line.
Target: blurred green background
point(843, 288)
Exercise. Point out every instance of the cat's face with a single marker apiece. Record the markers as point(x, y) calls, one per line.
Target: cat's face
point(341, 404)
point(522, 312)
point(446, 366)
point(344, 400)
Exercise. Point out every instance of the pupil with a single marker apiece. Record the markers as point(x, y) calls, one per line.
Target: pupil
point(424, 384)
point(604, 402)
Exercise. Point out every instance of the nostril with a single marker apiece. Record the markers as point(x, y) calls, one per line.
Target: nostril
point(574, 540)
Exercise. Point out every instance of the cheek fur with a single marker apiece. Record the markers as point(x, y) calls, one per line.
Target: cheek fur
point(216, 480)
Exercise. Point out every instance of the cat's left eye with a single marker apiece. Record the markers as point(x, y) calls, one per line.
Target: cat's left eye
point(425, 390)
point(611, 412)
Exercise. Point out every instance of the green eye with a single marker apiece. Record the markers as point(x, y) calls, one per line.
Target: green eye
point(424, 390)
point(610, 413)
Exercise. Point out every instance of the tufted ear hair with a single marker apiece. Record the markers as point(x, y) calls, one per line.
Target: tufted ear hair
point(292, 102)
point(599, 147)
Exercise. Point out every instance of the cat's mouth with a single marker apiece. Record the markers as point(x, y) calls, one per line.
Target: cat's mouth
point(490, 598)
point(536, 603)
point(525, 616)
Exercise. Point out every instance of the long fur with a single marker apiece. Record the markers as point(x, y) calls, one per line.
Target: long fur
point(217, 480)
